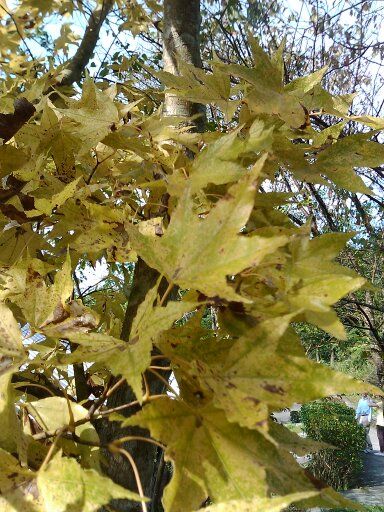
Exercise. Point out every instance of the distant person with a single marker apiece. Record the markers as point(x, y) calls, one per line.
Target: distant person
point(363, 416)
point(380, 427)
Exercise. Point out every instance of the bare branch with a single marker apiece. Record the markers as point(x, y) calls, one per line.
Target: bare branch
point(87, 46)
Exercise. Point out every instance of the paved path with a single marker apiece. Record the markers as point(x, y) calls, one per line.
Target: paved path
point(371, 488)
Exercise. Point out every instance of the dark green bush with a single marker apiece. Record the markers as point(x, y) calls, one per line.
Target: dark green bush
point(372, 508)
point(367, 508)
point(295, 417)
point(334, 423)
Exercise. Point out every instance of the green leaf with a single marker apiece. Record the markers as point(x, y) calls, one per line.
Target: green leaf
point(54, 413)
point(11, 158)
point(11, 345)
point(260, 371)
point(17, 486)
point(266, 95)
point(277, 377)
point(213, 457)
point(99, 228)
point(377, 123)
point(314, 293)
point(130, 359)
point(10, 432)
point(197, 85)
point(261, 504)
point(337, 160)
point(199, 253)
point(228, 158)
point(305, 84)
point(286, 284)
point(64, 486)
point(92, 117)
point(41, 304)
point(15, 241)
point(293, 442)
point(46, 205)
point(147, 325)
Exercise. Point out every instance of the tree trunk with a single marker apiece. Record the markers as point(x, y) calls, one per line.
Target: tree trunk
point(379, 366)
point(181, 41)
point(117, 466)
point(332, 361)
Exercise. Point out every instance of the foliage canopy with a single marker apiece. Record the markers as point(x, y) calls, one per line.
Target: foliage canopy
point(99, 174)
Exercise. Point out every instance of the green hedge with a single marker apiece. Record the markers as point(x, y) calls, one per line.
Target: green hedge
point(295, 417)
point(367, 508)
point(334, 423)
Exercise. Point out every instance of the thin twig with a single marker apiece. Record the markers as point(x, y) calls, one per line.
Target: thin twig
point(165, 382)
point(166, 293)
point(27, 384)
point(125, 439)
point(105, 394)
point(18, 31)
point(50, 452)
point(118, 408)
point(135, 472)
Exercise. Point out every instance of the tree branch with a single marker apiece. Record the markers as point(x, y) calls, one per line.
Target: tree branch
point(362, 213)
point(87, 46)
point(328, 217)
point(37, 385)
point(359, 303)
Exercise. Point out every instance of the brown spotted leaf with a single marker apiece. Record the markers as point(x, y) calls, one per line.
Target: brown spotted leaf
point(215, 458)
point(199, 253)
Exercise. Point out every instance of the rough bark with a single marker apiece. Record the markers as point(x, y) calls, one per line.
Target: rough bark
point(117, 466)
point(181, 41)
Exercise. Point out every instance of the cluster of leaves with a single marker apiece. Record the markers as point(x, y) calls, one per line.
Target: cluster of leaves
point(92, 177)
point(372, 508)
point(345, 37)
point(334, 423)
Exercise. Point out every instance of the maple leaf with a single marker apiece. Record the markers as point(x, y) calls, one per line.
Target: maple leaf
point(213, 457)
point(63, 483)
point(130, 359)
point(199, 253)
point(263, 371)
point(17, 488)
point(54, 413)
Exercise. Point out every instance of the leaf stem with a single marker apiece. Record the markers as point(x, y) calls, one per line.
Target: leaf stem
point(106, 393)
point(32, 384)
point(113, 388)
point(135, 472)
point(147, 391)
point(50, 452)
point(166, 383)
point(125, 439)
point(126, 406)
point(166, 293)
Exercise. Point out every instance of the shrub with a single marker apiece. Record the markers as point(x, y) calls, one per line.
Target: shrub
point(367, 508)
point(334, 423)
point(295, 417)
point(372, 508)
